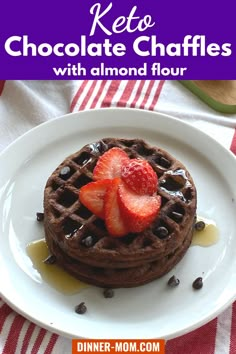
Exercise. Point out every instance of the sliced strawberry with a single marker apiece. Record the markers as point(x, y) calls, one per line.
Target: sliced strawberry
point(110, 163)
point(114, 223)
point(92, 196)
point(138, 211)
point(139, 176)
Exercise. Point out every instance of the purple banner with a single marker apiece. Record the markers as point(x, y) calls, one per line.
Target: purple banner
point(117, 40)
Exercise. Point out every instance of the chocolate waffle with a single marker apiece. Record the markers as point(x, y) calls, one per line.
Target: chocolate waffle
point(79, 239)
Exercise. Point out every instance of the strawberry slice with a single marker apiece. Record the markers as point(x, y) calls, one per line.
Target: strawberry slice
point(110, 163)
point(92, 196)
point(139, 176)
point(114, 223)
point(138, 211)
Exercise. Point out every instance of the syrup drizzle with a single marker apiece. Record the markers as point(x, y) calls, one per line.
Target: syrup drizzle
point(55, 276)
point(208, 236)
point(63, 282)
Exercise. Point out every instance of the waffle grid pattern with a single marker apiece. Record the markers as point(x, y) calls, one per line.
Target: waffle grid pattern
point(68, 222)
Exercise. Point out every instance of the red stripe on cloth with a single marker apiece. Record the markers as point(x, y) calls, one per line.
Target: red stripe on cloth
point(126, 93)
point(51, 344)
point(147, 94)
point(4, 312)
point(77, 95)
point(157, 95)
point(113, 88)
point(233, 331)
point(27, 337)
point(13, 335)
point(96, 98)
point(138, 93)
point(38, 341)
point(200, 341)
point(87, 97)
point(2, 83)
point(233, 143)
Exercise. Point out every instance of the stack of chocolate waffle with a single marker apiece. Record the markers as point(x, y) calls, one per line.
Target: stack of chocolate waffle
point(79, 239)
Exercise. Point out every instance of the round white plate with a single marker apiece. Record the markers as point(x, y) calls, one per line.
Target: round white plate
point(150, 311)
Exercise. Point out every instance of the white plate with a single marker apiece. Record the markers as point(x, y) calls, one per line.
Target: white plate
point(150, 311)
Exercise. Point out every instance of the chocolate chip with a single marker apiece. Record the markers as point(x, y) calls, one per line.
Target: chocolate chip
point(65, 172)
point(98, 148)
point(50, 259)
point(173, 282)
point(40, 216)
point(108, 293)
point(137, 146)
point(162, 232)
point(198, 283)
point(102, 147)
point(199, 226)
point(81, 308)
point(164, 162)
point(88, 241)
point(177, 216)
